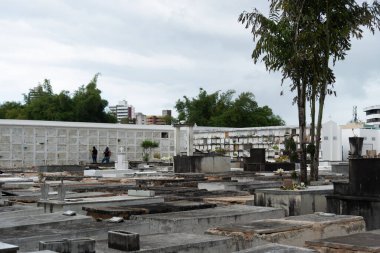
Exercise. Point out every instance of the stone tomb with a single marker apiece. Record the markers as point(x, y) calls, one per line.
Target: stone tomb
point(39, 221)
point(127, 211)
point(359, 196)
point(51, 206)
point(28, 239)
point(198, 221)
point(360, 242)
point(250, 186)
point(176, 242)
point(292, 231)
point(276, 248)
point(295, 202)
point(19, 210)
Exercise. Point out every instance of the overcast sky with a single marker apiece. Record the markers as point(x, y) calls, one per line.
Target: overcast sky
point(153, 52)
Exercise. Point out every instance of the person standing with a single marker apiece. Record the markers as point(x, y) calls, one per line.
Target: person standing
point(94, 154)
point(107, 155)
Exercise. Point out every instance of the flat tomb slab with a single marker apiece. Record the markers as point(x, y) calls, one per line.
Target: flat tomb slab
point(198, 221)
point(41, 220)
point(28, 239)
point(250, 186)
point(77, 204)
point(278, 248)
point(291, 231)
point(127, 211)
point(177, 242)
point(295, 202)
point(19, 210)
point(241, 200)
point(360, 242)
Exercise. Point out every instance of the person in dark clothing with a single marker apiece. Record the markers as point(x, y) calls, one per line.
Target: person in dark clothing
point(94, 154)
point(107, 155)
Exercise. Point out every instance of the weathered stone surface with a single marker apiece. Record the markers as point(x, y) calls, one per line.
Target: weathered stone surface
point(42, 220)
point(360, 195)
point(81, 245)
point(27, 239)
point(179, 243)
point(127, 211)
point(276, 248)
point(77, 204)
point(123, 240)
point(295, 202)
point(360, 242)
point(198, 221)
point(293, 230)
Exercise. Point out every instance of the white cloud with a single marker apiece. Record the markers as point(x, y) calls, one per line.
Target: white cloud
point(153, 52)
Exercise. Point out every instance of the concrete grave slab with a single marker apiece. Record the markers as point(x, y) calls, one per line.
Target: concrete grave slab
point(19, 210)
point(198, 221)
point(240, 200)
point(41, 220)
point(360, 242)
point(295, 202)
point(177, 242)
point(249, 186)
point(276, 248)
point(127, 211)
point(292, 230)
point(28, 239)
point(41, 251)
point(77, 204)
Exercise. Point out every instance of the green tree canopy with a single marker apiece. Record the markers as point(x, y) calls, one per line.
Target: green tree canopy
point(301, 39)
point(41, 103)
point(220, 109)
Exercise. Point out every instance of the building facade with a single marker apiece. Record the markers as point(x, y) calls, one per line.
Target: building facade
point(373, 115)
point(122, 110)
point(32, 143)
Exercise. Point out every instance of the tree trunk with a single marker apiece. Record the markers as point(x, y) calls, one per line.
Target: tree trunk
point(301, 103)
point(313, 167)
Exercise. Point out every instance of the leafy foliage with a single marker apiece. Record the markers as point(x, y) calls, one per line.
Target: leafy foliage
point(147, 146)
point(219, 109)
point(298, 39)
point(86, 105)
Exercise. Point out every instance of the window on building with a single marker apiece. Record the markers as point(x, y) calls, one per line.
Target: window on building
point(334, 138)
point(374, 138)
point(164, 135)
point(326, 138)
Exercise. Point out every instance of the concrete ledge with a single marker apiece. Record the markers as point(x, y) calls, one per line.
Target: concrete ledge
point(141, 193)
point(198, 221)
point(292, 231)
point(274, 247)
point(81, 245)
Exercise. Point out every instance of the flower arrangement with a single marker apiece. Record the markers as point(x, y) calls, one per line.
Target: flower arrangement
point(279, 172)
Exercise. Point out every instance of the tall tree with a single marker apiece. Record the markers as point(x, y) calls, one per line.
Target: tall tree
point(41, 103)
point(89, 105)
point(298, 39)
point(220, 109)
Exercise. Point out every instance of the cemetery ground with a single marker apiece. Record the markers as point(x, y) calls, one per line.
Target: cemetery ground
point(154, 209)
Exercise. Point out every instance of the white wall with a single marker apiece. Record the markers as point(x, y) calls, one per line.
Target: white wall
point(331, 142)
